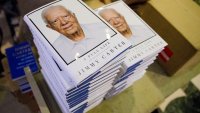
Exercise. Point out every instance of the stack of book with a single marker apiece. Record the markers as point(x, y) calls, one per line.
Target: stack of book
point(80, 55)
point(19, 57)
point(83, 58)
point(146, 43)
point(23, 85)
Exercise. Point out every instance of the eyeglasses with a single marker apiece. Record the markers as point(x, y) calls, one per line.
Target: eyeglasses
point(61, 18)
point(114, 19)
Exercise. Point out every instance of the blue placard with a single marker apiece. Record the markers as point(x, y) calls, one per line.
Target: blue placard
point(19, 57)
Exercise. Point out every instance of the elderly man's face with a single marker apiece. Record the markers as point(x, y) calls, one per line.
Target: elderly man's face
point(116, 20)
point(63, 21)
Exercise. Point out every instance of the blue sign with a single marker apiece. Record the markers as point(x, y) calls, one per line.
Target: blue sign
point(19, 57)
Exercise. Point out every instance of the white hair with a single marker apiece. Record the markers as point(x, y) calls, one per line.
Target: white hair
point(43, 14)
point(102, 11)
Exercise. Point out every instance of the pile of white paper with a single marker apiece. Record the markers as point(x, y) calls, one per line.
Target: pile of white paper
point(84, 59)
point(146, 44)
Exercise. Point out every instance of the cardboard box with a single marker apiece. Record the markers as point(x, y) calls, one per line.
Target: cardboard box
point(179, 43)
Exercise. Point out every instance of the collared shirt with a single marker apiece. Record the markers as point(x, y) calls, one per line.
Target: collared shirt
point(69, 50)
point(140, 33)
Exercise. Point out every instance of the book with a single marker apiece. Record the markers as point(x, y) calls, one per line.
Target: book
point(86, 54)
point(146, 43)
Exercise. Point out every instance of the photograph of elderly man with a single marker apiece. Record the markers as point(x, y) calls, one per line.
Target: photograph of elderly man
point(134, 33)
point(75, 39)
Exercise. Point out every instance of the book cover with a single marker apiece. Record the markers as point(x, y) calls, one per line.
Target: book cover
point(81, 43)
point(133, 28)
